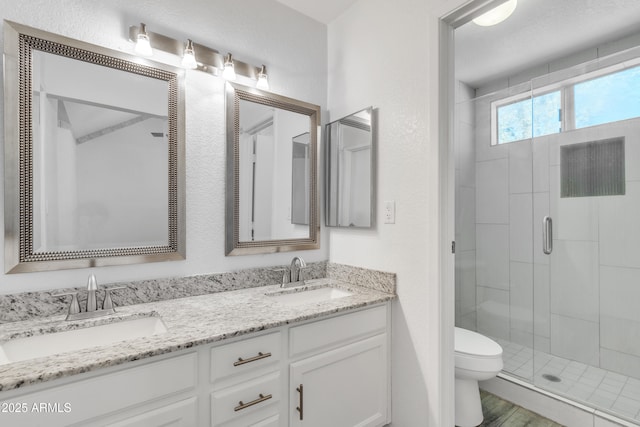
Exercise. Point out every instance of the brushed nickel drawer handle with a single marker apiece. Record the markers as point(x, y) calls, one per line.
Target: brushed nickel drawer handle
point(242, 361)
point(301, 407)
point(242, 406)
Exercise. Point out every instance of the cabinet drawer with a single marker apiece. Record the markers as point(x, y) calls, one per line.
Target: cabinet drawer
point(257, 419)
point(244, 356)
point(250, 397)
point(181, 413)
point(325, 334)
point(273, 421)
point(81, 400)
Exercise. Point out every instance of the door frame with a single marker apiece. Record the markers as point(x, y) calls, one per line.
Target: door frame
point(448, 21)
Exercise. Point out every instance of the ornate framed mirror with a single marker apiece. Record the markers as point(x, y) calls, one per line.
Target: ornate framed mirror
point(272, 194)
point(94, 155)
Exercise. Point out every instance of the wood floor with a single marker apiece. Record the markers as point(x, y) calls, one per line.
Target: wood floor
point(498, 412)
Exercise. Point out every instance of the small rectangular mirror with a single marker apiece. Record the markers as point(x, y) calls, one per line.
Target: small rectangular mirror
point(350, 171)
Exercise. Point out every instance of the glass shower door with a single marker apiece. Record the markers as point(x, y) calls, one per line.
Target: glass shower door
point(494, 235)
point(586, 272)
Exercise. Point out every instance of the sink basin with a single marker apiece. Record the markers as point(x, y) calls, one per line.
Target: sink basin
point(309, 296)
point(35, 346)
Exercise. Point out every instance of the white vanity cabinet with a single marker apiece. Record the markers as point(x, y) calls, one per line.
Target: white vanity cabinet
point(345, 382)
point(342, 363)
point(121, 396)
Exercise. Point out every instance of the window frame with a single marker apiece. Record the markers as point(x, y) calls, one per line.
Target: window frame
point(567, 98)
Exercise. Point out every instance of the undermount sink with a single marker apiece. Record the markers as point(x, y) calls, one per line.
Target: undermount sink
point(36, 346)
point(307, 296)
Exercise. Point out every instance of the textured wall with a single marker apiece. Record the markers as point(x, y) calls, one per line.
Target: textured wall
point(256, 31)
point(385, 54)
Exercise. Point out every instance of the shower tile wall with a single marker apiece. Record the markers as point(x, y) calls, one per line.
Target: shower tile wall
point(587, 294)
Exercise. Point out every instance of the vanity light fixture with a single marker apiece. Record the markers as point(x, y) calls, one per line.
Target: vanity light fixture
point(263, 80)
point(228, 72)
point(209, 60)
point(497, 14)
point(189, 56)
point(143, 45)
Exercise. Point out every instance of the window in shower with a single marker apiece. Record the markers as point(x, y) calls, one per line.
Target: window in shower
point(596, 98)
point(527, 118)
point(608, 98)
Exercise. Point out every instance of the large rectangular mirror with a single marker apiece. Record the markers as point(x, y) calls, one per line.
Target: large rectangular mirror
point(350, 171)
point(94, 155)
point(271, 173)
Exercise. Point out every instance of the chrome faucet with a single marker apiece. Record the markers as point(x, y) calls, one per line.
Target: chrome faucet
point(297, 264)
point(92, 310)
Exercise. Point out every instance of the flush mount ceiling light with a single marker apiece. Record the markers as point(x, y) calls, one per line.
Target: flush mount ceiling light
point(497, 14)
point(263, 80)
point(209, 60)
point(189, 56)
point(143, 45)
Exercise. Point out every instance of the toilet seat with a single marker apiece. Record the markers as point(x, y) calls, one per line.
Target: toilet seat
point(475, 352)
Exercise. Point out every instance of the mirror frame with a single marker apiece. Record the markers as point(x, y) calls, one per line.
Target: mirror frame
point(233, 246)
point(374, 173)
point(19, 41)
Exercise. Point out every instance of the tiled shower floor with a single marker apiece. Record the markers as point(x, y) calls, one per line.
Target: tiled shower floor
point(597, 387)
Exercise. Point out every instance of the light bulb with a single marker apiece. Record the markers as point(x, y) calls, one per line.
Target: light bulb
point(263, 80)
point(228, 72)
point(189, 57)
point(143, 45)
point(497, 14)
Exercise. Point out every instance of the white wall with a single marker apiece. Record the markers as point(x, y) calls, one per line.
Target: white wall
point(385, 54)
point(293, 47)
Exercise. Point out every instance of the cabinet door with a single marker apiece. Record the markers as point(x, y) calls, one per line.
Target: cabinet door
point(179, 414)
point(345, 387)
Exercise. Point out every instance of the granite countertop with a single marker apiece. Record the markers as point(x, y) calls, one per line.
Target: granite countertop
point(190, 321)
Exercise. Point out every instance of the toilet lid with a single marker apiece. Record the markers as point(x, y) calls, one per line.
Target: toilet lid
point(472, 343)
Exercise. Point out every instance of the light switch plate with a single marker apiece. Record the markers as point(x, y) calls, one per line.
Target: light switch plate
point(390, 212)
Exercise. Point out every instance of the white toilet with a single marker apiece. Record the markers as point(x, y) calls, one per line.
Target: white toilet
point(477, 358)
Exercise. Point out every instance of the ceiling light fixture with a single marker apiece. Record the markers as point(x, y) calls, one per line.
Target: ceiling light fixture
point(189, 56)
point(228, 72)
point(143, 45)
point(497, 14)
point(263, 80)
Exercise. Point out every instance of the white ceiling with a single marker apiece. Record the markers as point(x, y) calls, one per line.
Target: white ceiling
point(538, 32)
point(323, 11)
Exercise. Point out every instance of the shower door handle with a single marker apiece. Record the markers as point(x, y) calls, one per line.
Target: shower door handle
point(547, 235)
